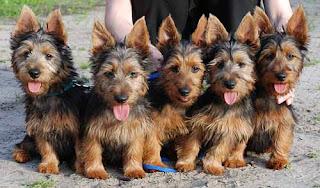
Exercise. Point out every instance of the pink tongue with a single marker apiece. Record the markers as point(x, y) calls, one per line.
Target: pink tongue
point(230, 97)
point(34, 87)
point(280, 88)
point(121, 111)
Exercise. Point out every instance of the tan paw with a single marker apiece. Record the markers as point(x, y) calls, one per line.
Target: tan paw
point(20, 155)
point(135, 174)
point(48, 168)
point(97, 174)
point(277, 164)
point(78, 167)
point(185, 167)
point(213, 169)
point(236, 163)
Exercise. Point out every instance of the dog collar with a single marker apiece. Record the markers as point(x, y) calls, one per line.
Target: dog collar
point(71, 84)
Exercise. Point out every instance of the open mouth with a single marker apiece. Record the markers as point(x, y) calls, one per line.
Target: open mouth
point(280, 88)
point(34, 86)
point(230, 97)
point(184, 99)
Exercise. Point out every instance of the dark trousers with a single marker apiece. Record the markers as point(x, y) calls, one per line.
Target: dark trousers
point(186, 13)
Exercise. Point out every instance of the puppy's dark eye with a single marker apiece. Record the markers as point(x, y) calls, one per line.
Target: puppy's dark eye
point(241, 65)
point(175, 69)
point(220, 65)
point(270, 57)
point(195, 69)
point(290, 57)
point(26, 54)
point(110, 74)
point(133, 74)
point(48, 56)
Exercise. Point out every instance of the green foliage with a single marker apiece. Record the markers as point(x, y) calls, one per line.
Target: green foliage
point(313, 155)
point(42, 184)
point(288, 166)
point(12, 8)
point(312, 62)
point(84, 65)
point(85, 79)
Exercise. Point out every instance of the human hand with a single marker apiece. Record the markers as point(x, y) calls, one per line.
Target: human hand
point(288, 97)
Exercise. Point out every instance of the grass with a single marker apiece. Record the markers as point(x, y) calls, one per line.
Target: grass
point(42, 184)
point(288, 166)
point(4, 60)
point(313, 155)
point(82, 48)
point(12, 8)
point(18, 96)
point(312, 62)
point(316, 119)
point(84, 65)
point(85, 79)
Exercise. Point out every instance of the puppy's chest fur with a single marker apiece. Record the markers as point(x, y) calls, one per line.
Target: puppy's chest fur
point(268, 119)
point(51, 115)
point(217, 120)
point(170, 122)
point(114, 134)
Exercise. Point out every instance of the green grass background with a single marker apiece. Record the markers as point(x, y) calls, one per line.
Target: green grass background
point(11, 8)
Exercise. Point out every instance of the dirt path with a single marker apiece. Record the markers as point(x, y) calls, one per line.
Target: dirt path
point(304, 170)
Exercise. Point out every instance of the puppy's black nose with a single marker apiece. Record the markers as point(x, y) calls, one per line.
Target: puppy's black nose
point(121, 98)
point(230, 84)
point(34, 73)
point(281, 76)
point(184, 91)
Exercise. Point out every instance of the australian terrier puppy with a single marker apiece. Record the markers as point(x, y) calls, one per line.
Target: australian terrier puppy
point(42, 62)
point(279, 65)
point(118, 116)
point(221, 120)
point(178, 86)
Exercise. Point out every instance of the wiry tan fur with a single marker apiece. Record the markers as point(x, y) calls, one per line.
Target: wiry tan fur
point(169, 119)
point(117, 69)
point(274, 123)
point(51, 123)
point(223, 129)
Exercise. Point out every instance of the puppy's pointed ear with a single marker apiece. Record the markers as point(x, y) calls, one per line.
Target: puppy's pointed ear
point(216, 32)
point(262, 21)
point(247, 32)
point(168, 34)
point(55, 26)
point(101, 38)
point(139, 38)
point(298, 26)
point(26, 23)
point(198, 37)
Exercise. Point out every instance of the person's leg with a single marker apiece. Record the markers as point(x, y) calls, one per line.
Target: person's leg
point(157, 10)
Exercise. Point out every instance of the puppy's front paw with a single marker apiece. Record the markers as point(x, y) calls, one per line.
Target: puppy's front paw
point(135, 173)
point(235, 163)
point(185, 167)
point(213, 169)
point(97, 174)
point(48, 168)
point(20, 155)
point(277, 164)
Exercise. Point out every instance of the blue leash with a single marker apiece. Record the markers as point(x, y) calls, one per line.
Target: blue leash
point(165, 169)
point(158, 168)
